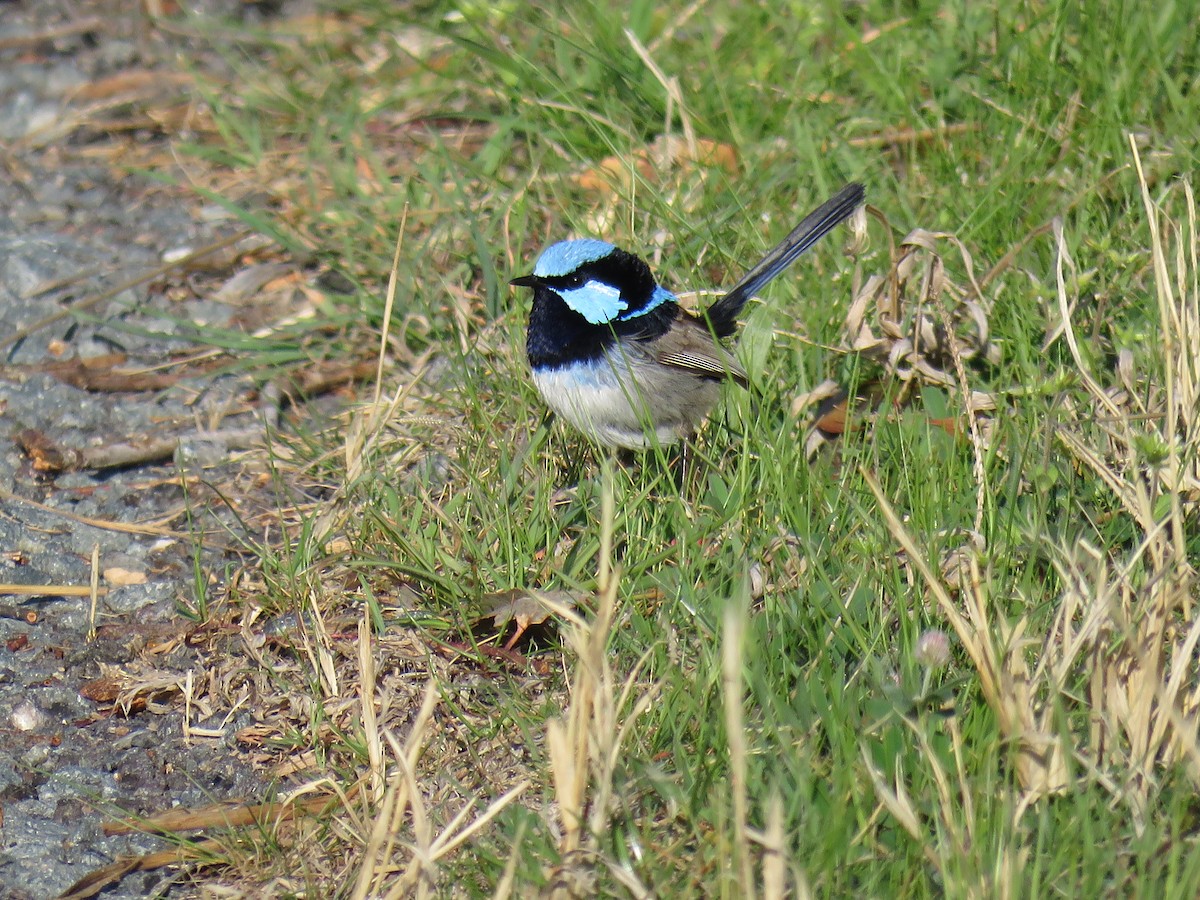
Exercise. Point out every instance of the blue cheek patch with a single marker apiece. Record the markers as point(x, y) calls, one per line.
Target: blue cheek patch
point(596, 301)
point(565, 257)
point(660, 296)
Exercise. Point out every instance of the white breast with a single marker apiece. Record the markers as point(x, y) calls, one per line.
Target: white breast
point(620, 405)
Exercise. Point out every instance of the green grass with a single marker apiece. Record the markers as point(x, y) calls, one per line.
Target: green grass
point(465, 489)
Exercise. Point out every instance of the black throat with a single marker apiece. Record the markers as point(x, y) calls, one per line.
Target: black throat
point(558, 336)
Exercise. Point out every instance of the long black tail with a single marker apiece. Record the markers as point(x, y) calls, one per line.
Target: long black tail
point(722, 315)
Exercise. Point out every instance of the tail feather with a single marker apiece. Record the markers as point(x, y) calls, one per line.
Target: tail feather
point(722, 315)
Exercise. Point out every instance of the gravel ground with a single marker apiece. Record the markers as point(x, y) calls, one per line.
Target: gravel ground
point(64, 217)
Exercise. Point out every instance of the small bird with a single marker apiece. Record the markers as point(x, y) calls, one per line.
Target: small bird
point(614, 354)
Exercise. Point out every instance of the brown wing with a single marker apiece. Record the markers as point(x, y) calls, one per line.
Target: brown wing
point(690, 345)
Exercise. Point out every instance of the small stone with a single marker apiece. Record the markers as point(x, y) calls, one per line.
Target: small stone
point(27, 717)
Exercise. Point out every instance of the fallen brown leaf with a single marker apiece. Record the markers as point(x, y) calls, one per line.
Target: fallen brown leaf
point(133, 81)
point(101, 690)
point(100, 374)
point(613, 172)
point(119, 577)
point(522, 609)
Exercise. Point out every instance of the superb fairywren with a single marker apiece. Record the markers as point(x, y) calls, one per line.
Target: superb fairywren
point(613, 353)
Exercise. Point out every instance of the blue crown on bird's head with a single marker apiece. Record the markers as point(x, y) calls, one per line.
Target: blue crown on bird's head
point(565, 257)
point(598, 281)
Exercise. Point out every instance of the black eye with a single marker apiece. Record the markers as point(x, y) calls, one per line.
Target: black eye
point(574, 280)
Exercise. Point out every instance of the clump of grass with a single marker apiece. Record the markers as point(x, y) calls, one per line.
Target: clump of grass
point(1104, 692)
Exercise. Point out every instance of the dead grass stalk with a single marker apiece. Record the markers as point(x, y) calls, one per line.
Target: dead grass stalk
point(1113, 682)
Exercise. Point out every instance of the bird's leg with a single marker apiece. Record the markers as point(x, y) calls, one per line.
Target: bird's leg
point(689, 468)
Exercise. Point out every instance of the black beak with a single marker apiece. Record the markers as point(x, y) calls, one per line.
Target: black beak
point(526, 281)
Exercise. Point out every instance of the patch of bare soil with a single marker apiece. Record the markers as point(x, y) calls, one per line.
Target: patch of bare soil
point(124, 476)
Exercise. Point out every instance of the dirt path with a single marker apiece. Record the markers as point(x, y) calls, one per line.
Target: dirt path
point(80, 85)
